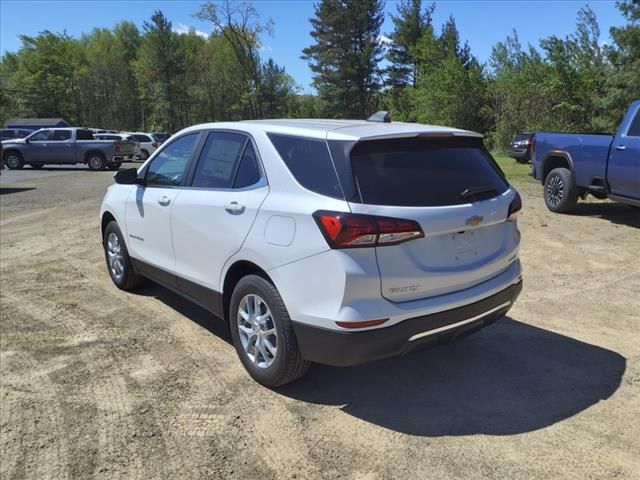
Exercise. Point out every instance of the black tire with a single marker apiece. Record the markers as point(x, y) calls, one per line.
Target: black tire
point(560, 191)
point(128, 279)
point(522, 160)
point(37, 166)
point(288, 364)
point(96, 161)
point(114, 166)
point(13, 160)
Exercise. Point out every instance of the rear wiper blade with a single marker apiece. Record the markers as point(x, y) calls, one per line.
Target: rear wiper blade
point(472, 192)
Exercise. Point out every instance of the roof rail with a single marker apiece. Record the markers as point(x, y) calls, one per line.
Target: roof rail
point(382, 116)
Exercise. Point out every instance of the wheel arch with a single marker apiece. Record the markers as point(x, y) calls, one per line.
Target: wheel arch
point(556, 159)
point(107, 217)
point(7, 151)
point(238, 270)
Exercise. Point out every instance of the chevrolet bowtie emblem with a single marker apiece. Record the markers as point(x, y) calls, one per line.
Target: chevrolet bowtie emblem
point(474, 221)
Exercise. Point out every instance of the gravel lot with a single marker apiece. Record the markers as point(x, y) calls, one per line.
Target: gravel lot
point(100, 383)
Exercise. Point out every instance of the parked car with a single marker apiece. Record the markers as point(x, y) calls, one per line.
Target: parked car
point(161, 137)
point(573, 165)
point(11, 133)
point(148, 144)
point(66, 146)
point(336, 242)
point(120, 137)
point(521, 147)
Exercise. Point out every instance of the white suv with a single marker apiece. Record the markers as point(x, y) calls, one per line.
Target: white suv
point(327, 241)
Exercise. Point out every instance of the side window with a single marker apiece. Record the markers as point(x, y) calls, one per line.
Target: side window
point(168, 167)
point(309, 162)
point(142, 138)
point(217, 163)
point(634, 129)
point(61, 135)
point(85, 135)
point(41, 136)
point(248, 171)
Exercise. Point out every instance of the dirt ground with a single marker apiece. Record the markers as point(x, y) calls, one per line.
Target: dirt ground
point(100, 383)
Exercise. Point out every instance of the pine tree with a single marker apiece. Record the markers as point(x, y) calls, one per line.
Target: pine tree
point(346, 54)
point(410, 25)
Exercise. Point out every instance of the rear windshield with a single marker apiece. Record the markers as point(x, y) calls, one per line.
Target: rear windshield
point(425, 172)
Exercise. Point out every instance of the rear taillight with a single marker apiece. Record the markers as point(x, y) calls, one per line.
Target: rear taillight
point(117, 147)
point(515, 207)
point(351, 230)
point(532, 145)
point(154, 145)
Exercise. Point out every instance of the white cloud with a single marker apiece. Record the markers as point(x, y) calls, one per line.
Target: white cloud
point(266, 48)
point(182, 28)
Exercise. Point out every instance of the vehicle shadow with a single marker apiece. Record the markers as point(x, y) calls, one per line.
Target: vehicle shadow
point(613, 212)
point(8, 190)
point(507, 379)
point(186, 308)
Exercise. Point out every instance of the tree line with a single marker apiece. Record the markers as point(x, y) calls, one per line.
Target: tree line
point(157, 79)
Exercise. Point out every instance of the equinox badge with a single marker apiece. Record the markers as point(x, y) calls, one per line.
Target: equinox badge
point(474, 221)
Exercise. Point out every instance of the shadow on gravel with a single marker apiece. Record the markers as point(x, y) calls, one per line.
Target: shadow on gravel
point(507, 379)
point(613, 212)
point(8, 190)
point(189, 309)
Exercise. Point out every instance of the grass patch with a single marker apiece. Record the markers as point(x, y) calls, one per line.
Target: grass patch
point(515, 172)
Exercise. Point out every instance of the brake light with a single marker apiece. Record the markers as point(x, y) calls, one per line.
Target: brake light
point(117, 146)
point(532, 145)
point(351, 230)
point(515, 207)
point(154, 145)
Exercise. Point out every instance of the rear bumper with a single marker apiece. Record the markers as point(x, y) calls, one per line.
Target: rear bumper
point(519, 154)
point(343, 348)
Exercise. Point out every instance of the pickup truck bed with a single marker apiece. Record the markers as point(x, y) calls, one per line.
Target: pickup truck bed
point(572, 165)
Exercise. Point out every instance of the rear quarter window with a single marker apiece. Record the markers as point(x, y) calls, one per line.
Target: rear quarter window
point(309, 162)
point(424, 172)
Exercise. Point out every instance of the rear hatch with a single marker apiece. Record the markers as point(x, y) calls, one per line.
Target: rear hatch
point(458, 195)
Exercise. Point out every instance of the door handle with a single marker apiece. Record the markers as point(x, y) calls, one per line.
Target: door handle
point(164, 201)
point(234, 208)
point(621, 147)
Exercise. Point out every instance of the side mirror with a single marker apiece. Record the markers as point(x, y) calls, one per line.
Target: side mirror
point(128, 177)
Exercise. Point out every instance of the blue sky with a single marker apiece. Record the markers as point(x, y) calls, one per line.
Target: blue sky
point(482, 23)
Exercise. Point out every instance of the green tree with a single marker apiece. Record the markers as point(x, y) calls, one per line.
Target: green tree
point(410, 24)
point(157, 67)
point(451, 87)
point(622, 84)
point(345, 56)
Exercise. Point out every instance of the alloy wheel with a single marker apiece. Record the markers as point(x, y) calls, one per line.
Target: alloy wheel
point(257, 330)
point(555, 190)
point(115, 256)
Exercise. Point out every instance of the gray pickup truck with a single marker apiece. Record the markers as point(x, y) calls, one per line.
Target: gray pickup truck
point(66, 146)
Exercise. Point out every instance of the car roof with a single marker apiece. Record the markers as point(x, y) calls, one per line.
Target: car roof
point(338, 129)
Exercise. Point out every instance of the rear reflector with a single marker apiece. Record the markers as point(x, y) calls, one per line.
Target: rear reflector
point(350, 230)
point(514, 207)
point(363, 324)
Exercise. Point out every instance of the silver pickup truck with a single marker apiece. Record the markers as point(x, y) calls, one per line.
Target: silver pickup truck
point(66, 146)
